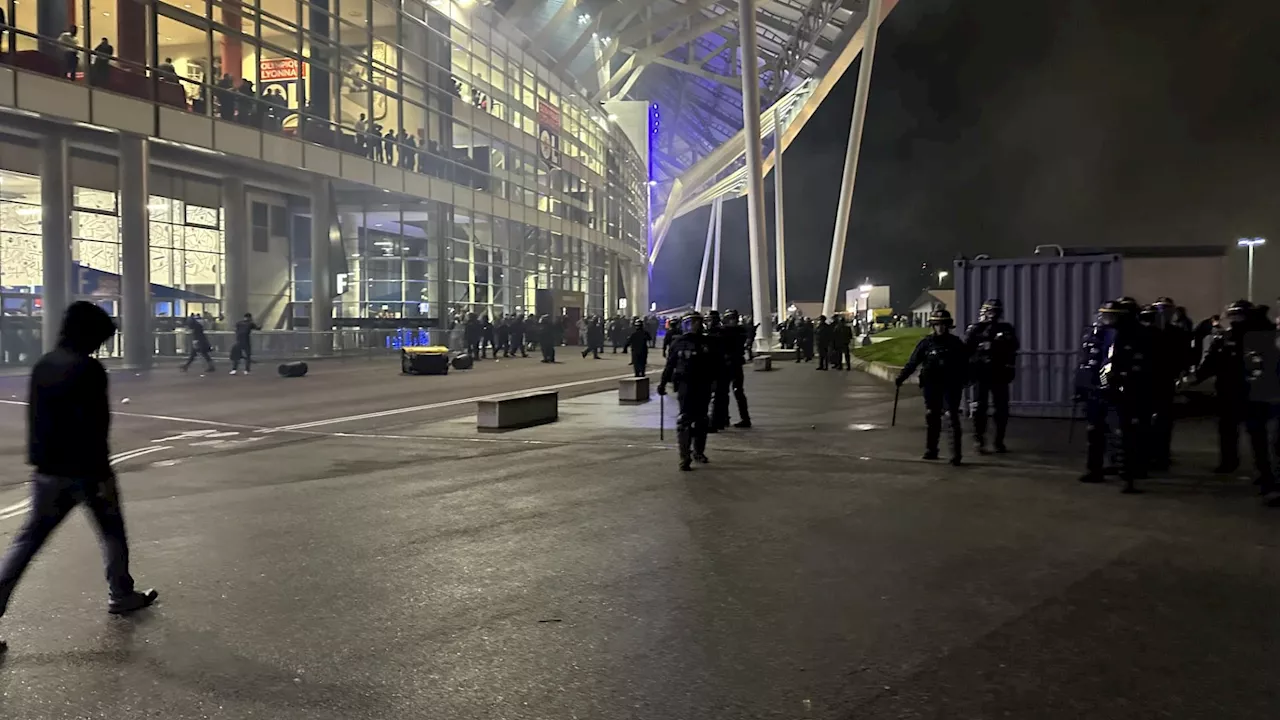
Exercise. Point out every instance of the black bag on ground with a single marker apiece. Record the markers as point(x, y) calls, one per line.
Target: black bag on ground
point(463, 362)
point(292, 369)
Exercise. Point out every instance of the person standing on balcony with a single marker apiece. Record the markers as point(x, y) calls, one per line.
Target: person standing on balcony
point(224, 93)
point(71, 57)
point(389, 146)
point(100, 67)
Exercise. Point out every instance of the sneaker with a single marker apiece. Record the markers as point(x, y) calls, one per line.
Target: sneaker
point(701, 457)
point(246, 372)
point(686, 466)
point(742, 424)
point(930, 455)
point(132, 602)
point(233, 372)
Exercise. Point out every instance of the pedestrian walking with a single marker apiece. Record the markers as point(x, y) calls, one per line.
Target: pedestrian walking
point(243, 349)
point(199, 344)
point(68, 424)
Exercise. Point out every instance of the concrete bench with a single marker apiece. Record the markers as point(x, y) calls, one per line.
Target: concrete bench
point(762, 363)
point(781, 355)
point(633, 390)
point(517, 411)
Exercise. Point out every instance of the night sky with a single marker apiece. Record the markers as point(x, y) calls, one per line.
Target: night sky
point(998, 125)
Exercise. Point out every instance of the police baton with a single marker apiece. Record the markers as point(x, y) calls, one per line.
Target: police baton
point(662, 416)
point(894, 420)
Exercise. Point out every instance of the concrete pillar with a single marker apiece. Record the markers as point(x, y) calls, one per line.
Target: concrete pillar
point(759, 244)
point(779, 223)
point(131, 35)
point(610, 282)
point(55, 235)
point(321, 278)
point(236, 246)
point(52, 17)
point(135, 253)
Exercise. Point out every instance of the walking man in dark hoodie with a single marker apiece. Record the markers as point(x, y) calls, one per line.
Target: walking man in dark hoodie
point(199, 344)
point(68, 421)
point(243, 349)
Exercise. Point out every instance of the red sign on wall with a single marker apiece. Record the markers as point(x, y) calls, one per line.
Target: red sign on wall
point(279, 69)
point(548, 115)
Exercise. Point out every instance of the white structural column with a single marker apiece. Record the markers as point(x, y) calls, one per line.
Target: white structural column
point(706, 257)
point(55, 234)
point(851, 158)
point(321, 278)
point(760, 304)
point(610, 283)
point(236, 247)
point(717, 213)
point(779, 226)
point(135, 251)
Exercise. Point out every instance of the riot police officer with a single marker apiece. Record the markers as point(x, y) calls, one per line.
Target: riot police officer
point(942, 359)
point(638, 344)
point(1114, 376)
point(733, 342)
point(822, 338)
point(1171, 358)
point(691, 367)
point(1227, 361)
point(993, 353)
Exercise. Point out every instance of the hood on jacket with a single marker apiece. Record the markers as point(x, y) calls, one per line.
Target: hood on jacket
point(85, 327)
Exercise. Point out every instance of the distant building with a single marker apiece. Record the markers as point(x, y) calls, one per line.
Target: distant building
point(929, 301)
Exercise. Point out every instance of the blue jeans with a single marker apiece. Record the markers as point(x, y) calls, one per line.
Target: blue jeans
point(52, 498)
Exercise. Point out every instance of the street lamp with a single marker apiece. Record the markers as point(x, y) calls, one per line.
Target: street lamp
point(941, 274)
point(1251, 243)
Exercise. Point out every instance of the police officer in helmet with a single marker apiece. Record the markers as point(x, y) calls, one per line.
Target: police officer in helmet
point(1228, 361)
point(691, 367)
point(993, 350)
point(734, 342)
point(942, 359)
point(1171, 358)
point(1114, 378)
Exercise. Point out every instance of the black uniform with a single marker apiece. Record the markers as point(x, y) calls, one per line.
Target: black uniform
point(1171, 358)
point(1228, 361)
point(943, 361)
point(804, 340)
point(547, 339)
point(638, 344)
point(471, 332)
point(733, 342)
point(690, 367)
point(672, 334)
point(486, 337)
point(595, 338)
point(515, 340)
point(502, 332)
point(993, 353)
point(1114, 376)
point(822, 335)
point(842, 342)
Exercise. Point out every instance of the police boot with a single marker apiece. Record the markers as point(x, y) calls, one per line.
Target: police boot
point(980, 444)
point(686, 457)
point(999, 443)
point(700, 449)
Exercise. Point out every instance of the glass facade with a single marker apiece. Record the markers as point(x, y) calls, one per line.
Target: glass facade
point(425, 86)
point(418, 84)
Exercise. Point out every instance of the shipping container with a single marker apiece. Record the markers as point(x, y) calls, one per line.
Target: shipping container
point(1051, 301)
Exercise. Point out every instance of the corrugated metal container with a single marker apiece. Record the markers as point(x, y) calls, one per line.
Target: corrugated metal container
point(1050, 301)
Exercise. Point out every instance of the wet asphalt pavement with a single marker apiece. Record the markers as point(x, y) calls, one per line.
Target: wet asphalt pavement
point(396, 564)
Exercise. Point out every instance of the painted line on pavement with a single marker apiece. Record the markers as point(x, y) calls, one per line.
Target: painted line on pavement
point(169, 418)
point(438, 405)
point(20, 508)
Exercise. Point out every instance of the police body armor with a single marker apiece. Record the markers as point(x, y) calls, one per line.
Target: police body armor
point(995, 350)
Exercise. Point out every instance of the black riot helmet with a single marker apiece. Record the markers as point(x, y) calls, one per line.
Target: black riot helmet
point(637, 322)
point(692, 323)
point(992, 310)
point(1129, 305)
point(940, 320)
point(1239, 311)
point(731, 318)
point(713, 319)
point(1153, 316)
point(1111, 313)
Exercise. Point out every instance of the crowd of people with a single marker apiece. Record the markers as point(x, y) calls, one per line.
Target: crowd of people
point(1134, 360)
point(514, 335)
point(832, 338)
